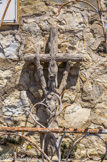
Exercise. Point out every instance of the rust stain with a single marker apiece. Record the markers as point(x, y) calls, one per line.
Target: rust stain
point(54, 130)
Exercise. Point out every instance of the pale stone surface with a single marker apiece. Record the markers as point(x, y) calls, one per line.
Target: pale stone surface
point(76, 115)
point(4, 76)
point(11, 51)
point(99, 115)
point(32, 28)
point(68, 97)
point(16, 104)
point(10, 47)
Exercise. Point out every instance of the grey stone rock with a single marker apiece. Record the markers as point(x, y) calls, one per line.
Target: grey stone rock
point(16, 104)
point(4, 76)
point(6, 40)
point(68, 97)
point(11, 51)
point(76, 115)
point(32, 28)
point(99, 114)
point(101, 78)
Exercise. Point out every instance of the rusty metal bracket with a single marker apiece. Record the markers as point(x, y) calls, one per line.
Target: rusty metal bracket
point(88, 133)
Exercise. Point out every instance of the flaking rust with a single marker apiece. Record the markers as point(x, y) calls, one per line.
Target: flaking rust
point(52, 102)
point(53, 130)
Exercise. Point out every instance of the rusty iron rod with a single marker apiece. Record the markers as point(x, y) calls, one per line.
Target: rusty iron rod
point(64, 4)
point(34, 144)
point(53, 130)
point(5, 11)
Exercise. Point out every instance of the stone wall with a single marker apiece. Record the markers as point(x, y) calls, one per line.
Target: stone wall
point(79, 31)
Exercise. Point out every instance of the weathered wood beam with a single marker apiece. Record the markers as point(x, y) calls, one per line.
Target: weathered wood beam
point(60, 57)
point(53, 130)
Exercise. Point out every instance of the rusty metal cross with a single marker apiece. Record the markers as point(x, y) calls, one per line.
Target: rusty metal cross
point(53, 104)
point(53, 57)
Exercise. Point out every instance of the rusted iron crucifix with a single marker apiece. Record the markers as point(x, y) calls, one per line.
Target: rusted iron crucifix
point(53, 103)
point(53, 57)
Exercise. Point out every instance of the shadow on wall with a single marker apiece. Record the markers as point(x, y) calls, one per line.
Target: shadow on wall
point(30, 82)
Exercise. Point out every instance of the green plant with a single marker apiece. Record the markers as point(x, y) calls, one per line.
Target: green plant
point(11, 140)
point(65, 148)
point(102, 155)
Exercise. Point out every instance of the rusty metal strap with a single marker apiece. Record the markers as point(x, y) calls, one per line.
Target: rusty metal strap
point(53, 130)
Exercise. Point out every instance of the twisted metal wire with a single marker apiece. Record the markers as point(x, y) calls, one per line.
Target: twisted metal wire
point(89, 158)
